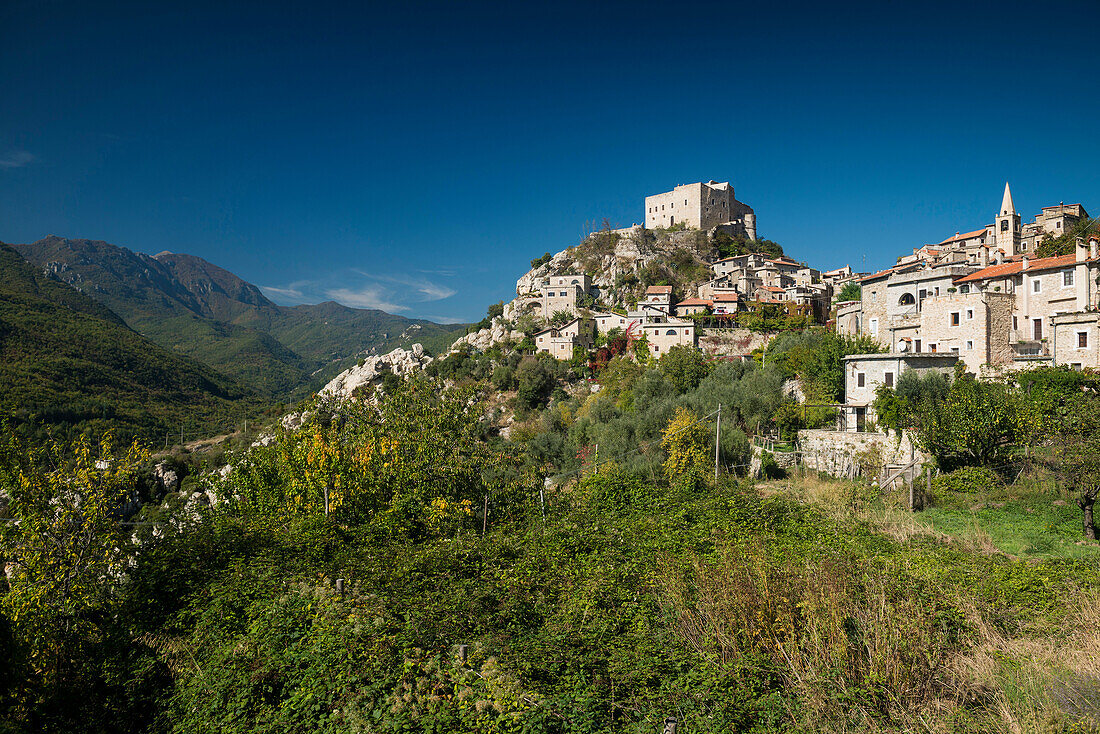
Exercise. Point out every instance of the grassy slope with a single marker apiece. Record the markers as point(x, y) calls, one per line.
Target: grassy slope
point(68, 361)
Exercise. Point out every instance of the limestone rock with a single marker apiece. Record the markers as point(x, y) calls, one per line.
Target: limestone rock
point(401, 362)
point(497, 333)
point(168, 479)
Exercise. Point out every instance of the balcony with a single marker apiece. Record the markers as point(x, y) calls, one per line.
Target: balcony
point(1023, 336)
point(1031, 349)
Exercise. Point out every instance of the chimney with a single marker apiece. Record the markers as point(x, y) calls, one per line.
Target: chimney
point(1092, 247)
point(998, 256)
point(1082, 250)
point(1023, 263)
point(985, 255)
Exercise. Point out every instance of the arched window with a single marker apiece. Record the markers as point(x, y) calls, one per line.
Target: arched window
point(906, 299)
point(670, 332)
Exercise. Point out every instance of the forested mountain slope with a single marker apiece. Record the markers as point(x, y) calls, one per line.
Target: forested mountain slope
point(67, 361)
point(194, 307)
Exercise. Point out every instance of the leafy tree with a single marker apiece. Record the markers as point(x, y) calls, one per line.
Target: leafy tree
point(974, 424)
point(535, 378)
point(817, 357)
point(729, 246)
point(66, 549)
point(1066, 243)
point(413, 464)
point(685, 443)
point(1077, 448)
point(850, 292)
point(559, 318)
point(496, 310)
point(684, 367)
point(538, 262)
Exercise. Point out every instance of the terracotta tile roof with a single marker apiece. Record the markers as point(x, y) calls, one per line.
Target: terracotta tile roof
point(964, 236)
point(726, 297)
point(879, 274)
point(659, 289)
point(772, 288)
point(1012, 268)
point(694, 302)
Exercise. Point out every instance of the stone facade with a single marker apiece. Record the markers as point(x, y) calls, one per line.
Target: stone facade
point(864, 373)
point(701, 206)
point(836, 452)
point(563, 293)
point(1076, 338)
point(664, 336)
point(559, 342)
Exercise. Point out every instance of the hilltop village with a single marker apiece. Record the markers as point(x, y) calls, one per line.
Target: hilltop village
point(594, 289)
point(983, 296)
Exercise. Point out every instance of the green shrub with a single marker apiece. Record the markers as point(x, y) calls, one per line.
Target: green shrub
point(971, 479)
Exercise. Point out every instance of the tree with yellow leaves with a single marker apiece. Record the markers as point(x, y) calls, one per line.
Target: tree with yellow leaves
point(685, 443)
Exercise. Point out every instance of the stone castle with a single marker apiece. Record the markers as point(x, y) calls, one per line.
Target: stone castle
point(701, 206)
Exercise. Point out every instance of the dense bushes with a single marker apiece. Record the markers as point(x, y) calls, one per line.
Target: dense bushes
point(970, 480)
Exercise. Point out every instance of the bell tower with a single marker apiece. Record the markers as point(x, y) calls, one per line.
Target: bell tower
point(1006, 231)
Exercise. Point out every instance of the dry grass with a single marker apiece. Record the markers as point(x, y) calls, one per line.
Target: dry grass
point(1045, 681)
point(859, 649)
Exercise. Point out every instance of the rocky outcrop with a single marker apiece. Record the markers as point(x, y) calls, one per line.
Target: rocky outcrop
point(401, 362)
point(498, 333)
point(614, 260)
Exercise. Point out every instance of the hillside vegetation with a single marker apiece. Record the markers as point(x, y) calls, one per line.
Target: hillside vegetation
point(198, 309)
point(67, 361)
point(349, 581)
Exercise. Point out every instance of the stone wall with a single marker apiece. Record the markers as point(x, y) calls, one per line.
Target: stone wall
point(730, 342)
point(835, 452)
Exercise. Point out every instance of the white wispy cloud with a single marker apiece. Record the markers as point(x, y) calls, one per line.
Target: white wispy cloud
point(16, 159)
point(424, 289)
point(360, 289)
point(366, 297)
point(297, 292)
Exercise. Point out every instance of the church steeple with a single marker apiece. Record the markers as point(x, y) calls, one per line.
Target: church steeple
point(1006, 232)
point(1007, 208)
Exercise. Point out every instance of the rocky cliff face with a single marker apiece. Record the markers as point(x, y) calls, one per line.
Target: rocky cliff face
point(401, 362)
point(622, 263)
point(498, 333)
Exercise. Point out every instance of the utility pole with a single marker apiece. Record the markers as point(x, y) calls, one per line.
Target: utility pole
point(717, 430)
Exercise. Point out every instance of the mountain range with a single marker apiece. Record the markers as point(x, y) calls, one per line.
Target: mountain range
point(195, 308)
point(69, 362)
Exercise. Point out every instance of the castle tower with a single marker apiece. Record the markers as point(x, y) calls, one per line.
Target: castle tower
point(1006, 231)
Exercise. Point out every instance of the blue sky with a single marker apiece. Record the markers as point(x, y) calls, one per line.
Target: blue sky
point(415, 156)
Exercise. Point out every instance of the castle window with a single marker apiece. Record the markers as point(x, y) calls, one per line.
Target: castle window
point(670, 332)
point(1036, 285)
point(955, 318)
point(969, 345)
point(1004, 225)
point(1067, 278)
point(861, 379)
point(889, 379)
point(969, 314)
point(1082, 340)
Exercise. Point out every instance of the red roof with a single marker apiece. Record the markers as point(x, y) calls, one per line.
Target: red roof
point(693, 302)
point(1013, 268)
point(726, 297)
point(659, 289)
point(879, 274)
point(772, 288)
point(964, 236)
